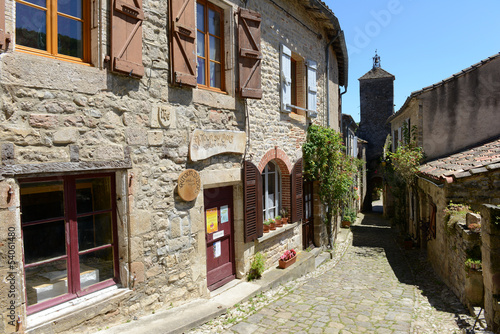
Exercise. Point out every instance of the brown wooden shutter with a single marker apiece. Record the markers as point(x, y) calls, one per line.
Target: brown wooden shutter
point(4, 37)
point(252, 202)
point(250, 54)
point(126, 37)
point(297, 199)
point(182, 43)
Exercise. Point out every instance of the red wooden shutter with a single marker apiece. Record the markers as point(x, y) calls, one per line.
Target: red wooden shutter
point(252, 202)
point(250, 54)
point(182, 44)
point(126, 37)
point(4, 38)
point(297, 199)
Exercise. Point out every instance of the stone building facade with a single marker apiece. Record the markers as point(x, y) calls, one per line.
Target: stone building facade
point(457, 126)
point(144, 143)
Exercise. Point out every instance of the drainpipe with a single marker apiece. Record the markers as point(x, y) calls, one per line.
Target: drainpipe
point(327, 56)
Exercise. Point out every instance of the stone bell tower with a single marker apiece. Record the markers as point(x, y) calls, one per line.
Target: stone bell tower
point(376, 90)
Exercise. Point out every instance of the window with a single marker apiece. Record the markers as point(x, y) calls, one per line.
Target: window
point(69, 237)
point(298, 83)
point(55, 28)
point(210, 45)
point(271, 191)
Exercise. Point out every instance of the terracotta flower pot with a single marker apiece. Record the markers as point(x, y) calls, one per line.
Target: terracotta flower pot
point(272, 226)
point(266, 228)
point(279, 222)
point(345, 223)
point(284, 221)
point(285, 264)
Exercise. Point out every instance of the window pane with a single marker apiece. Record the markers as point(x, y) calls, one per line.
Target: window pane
point(44, 241)
point(214, 48)
point(96, 267)
point(213, 22)
point(70, 7)
point(46, 281)
point(42, 200)
point(200, 44)
point(70, 37)
point(215, 75)
point(200, 17)
point(93, 195)
point(41, 3)
point(31, 27)
point(94, 231)
point(201, 71)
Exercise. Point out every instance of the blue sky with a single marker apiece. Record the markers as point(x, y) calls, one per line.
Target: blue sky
point(420, 42)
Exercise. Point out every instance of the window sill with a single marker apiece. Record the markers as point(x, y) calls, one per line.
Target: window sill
point(214, 99)
point(73, 306)
point(278, 231)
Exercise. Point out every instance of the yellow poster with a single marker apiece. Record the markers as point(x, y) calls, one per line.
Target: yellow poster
point(212, 220)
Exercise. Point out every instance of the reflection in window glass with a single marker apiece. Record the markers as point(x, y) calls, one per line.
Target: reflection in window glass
point(214, 22)
point(96, 267)
point(215, 75)
point(46, 281)
point(70, 37)
point(201, 71)
point(214, 48)
point(44, 241)
point(41, 201)
point(70, 7)
point(31, 27)
point(93, 195)
point(94, 231)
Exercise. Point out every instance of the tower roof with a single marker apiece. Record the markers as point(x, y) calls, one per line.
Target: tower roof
point(377, 73)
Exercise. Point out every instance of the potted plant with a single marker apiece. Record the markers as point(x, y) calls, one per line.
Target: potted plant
point(408, 242)
point(287, 259)
point(266, 226)
point(284, 215)
point(349, 217)
point(272, 224)
point(471, 264)
point(278, 220)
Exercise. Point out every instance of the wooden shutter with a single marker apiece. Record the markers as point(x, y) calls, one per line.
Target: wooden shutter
point(126, 37)
point(312, 89)
point(252, 202)
point(286, 78)
point(4, 37)
point(182, 43)
point(297, 199)
point(250, 54)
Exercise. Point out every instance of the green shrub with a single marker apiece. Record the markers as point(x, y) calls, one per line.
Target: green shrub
point(257, 267)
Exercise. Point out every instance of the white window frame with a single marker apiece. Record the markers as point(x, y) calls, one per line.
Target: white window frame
point(271, 206)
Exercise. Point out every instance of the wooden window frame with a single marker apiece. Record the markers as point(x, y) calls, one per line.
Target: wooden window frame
point(209, 5)
point(69, 186)
point(51, 23)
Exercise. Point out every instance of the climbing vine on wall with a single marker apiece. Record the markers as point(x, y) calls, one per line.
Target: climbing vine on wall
point(325, 161)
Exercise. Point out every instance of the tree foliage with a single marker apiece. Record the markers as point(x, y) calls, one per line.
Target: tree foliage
point(325, 161)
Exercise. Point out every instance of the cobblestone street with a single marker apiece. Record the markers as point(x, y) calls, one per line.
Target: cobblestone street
point(372, 289)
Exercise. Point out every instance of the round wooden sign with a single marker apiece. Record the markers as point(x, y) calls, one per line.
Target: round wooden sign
point(189, 185)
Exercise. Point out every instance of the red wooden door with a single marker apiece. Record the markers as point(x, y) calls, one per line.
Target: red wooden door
point(219, 236)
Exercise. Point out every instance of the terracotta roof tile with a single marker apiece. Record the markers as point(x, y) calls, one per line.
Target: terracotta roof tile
point(479, 159)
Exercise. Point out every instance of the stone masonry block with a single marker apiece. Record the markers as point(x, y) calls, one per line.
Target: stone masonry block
point(155, 138)
point(66, 136)
point(137, 269)
point(140, 222)
point(43, 121)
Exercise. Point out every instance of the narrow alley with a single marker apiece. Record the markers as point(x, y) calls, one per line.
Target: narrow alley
point(374, 288)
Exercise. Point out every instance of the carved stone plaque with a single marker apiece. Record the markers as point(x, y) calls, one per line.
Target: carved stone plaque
point(207, 143)
point(164, 116)
point(189, 185)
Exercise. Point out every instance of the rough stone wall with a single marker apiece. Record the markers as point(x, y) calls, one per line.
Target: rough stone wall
point(56, 112)
point(377, 105)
